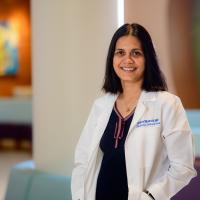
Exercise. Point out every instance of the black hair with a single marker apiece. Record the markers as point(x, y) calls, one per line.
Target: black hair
point(153, 77)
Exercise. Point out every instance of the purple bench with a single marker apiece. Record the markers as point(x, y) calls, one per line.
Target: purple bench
point(191, 191)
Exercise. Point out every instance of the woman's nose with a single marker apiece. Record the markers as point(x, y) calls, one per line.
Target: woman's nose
point(128, 58)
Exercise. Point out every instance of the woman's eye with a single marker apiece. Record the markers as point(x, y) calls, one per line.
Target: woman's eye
point(136, 53)
point(133, 53)
point(120, 53)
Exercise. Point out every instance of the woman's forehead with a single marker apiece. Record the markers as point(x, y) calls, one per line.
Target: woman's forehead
point(128, 41)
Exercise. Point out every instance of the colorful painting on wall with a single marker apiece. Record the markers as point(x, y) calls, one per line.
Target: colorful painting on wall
point(9, 61)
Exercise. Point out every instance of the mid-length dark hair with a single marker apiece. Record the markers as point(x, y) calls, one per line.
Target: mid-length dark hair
point(153, 77)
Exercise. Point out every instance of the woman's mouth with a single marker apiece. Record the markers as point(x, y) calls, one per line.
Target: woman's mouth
point(128, 69)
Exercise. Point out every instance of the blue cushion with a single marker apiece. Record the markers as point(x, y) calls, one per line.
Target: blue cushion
point(49, 187)
point(19, 184)
point(17, 110)
point(193, 117)
point(195, 130)
point(194, 120)
point(28, 183)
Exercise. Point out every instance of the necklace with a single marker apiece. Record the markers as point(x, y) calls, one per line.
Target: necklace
point(126, 108)
point(126, 105)
point(129, 108)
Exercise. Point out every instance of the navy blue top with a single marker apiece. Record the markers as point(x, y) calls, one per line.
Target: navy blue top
point(112, 179)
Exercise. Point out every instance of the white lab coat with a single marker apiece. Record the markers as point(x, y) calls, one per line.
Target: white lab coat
point(158, 148)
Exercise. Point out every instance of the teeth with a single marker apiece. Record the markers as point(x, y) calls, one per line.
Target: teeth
point(129, 69)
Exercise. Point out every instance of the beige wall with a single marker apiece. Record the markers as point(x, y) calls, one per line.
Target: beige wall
point(70, 41)
point(153, 15)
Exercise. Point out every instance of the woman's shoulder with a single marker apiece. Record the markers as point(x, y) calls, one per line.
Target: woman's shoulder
point(165, 95)
point(159, 96)
point(167, 98)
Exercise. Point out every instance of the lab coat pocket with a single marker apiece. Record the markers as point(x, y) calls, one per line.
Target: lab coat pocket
point(150, 143)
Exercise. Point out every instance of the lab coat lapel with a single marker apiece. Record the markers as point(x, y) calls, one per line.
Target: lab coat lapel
point(103, 121)
point(93, 156)
point(141, 107)
point(139, 111)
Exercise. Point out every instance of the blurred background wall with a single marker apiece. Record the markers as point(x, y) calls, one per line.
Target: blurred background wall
point(184, 43)
point(196, 36)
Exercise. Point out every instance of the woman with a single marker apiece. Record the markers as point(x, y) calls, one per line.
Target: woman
point(137, 143)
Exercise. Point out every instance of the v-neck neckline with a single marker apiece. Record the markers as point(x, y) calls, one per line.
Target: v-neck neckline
point(120, 115)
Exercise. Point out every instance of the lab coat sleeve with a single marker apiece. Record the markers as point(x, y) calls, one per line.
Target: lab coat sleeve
point(81, 157)
point(179, 146)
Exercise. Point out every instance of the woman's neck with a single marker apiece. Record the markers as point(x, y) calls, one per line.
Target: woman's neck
point(128, 100)
point(130, 91)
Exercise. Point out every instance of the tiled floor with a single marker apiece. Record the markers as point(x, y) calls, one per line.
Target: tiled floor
point(7, 160)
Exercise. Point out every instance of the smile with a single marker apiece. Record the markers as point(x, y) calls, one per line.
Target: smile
point(128, 69)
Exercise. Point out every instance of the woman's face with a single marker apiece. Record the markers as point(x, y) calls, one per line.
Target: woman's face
point(129, 60)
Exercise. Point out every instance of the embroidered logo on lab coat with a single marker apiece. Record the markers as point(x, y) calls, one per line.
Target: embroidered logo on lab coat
point(150, 122)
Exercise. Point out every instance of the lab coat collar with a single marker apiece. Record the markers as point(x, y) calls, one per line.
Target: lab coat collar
point(141, 106)
point(147, 96)
point(144, 96)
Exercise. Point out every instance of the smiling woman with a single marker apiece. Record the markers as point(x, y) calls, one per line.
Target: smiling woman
point(129, 61)
point(137, 143)
point(135, 40)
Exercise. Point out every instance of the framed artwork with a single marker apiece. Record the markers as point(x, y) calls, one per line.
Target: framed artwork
point(9, 60)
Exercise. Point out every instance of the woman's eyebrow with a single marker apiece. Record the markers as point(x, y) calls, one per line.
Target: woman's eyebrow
point(136, 49)
point(131, 49)
point(119, 49)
